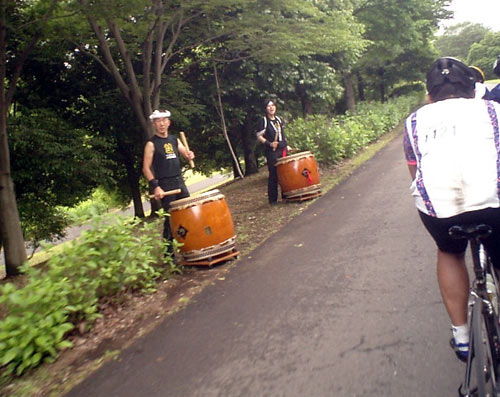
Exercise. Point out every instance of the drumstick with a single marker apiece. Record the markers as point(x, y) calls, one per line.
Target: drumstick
point(167, 193)
point(185, 143)
point(275, 136)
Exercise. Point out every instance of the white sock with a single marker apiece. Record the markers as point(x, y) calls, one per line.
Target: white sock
point(460, 333)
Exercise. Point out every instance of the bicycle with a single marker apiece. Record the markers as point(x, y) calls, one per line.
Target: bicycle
point(484, 335)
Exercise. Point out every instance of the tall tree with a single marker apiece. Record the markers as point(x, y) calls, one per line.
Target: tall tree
point(457, 40)
point(22, 25)
point(397, 30)
point(47, 154)
point(484, 53)
point(305, 79)
point(144, 43)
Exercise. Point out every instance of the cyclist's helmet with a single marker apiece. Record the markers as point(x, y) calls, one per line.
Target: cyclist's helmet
point(496, 66)
point(449, 71)
point(477, 73)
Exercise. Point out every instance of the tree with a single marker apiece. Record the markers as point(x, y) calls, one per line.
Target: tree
point(47, 154)
point(143, 44)
point(484, 53)
point(28, 21)
point(457, 40)
point(306, 80)
point(398, 30)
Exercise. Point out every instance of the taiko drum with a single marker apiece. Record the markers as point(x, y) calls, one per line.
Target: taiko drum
point(298, 175)
point(203, 223)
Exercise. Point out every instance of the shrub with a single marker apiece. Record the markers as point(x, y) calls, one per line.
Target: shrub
point(332, 140)
point(99, 203)
point(114, 256)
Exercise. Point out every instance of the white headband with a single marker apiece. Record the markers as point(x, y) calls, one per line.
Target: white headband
point(159, 114)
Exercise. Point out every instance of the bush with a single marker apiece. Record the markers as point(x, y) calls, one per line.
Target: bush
point(99, 203)
point(114, 256)
point(332, 140)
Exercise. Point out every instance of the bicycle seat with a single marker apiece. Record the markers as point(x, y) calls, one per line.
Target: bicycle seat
point(470, 231)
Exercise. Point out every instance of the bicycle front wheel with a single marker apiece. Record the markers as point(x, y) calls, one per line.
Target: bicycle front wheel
point(485, 345)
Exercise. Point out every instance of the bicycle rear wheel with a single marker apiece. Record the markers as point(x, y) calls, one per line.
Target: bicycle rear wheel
point(485, 349)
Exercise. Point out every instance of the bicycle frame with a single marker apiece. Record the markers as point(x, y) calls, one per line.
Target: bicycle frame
point(484, 337)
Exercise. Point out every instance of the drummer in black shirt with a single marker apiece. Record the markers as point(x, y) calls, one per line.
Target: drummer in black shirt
point(272, 135)
point(161, 165)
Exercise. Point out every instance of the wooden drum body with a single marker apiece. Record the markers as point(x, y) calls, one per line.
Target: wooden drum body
point(203, 224)
point(298, 175)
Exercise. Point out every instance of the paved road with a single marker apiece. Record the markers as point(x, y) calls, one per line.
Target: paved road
point(342, 302)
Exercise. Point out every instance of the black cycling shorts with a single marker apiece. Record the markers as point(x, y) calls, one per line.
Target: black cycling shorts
point(438, 229)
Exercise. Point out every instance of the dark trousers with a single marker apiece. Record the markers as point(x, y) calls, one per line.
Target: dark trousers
point(171, 184)
point(272, 182)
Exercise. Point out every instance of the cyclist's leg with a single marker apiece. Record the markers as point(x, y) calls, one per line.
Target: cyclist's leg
point(453, 280)
point(452, 274)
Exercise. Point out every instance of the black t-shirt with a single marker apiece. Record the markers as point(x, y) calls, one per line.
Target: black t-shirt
point(166, 162)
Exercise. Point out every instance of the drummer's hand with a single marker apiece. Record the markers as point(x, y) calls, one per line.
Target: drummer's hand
point(158, 193)
point(190, 155)
point(274, 145)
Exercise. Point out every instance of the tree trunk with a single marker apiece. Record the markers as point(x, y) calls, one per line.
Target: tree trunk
point(361, 87)
point(248, 141)
point(304, 99)
point(381, 73)
point(306, 105)
point(11, 234)
point(133, 177)
point(349, 93)
point(382, 92)
point(155, 206)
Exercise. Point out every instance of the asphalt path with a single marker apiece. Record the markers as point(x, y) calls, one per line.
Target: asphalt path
point(343, 301)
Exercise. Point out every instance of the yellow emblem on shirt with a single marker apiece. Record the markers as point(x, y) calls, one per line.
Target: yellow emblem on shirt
point(169, 151)
point(168, 148)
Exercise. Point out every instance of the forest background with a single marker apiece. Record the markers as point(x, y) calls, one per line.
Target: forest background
point(78, 79)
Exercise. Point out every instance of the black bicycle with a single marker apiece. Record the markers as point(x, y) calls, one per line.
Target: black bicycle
point(482, 373)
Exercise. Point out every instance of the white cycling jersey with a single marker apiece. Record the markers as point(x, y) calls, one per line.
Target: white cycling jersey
point(454, 144)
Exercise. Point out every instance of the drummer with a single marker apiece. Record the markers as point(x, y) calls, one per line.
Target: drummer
point(272, 135)
point(161, 165)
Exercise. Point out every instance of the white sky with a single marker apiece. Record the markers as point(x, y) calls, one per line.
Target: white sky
point(485, 12)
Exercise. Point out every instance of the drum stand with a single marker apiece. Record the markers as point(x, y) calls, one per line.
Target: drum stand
point(302, 197)
point(211, 260)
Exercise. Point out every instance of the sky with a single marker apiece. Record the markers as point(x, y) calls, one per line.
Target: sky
point(485, 12)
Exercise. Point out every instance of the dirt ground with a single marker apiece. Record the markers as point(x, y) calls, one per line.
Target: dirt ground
point(138, 314)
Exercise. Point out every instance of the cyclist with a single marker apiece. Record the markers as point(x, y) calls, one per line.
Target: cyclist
point(453, 154)
point(479, 87)
point(495, 92)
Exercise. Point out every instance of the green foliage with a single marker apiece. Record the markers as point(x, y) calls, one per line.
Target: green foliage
point(332, 140)
point(402, 34)
point(53, 164)
point(484, 53)
point(457, 40)
point(99, 203)
point(114, 256)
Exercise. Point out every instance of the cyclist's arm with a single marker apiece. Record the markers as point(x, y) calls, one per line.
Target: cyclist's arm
point(413, 170)
point(411, 159)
